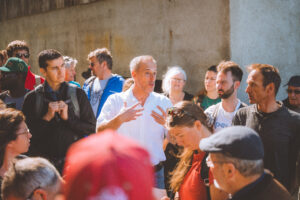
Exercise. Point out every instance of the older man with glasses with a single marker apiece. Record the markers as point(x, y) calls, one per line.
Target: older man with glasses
point(293, 100)
point(20, 49)
point(236, 161)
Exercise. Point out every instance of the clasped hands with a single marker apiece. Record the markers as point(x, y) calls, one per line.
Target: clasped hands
point(59, 107)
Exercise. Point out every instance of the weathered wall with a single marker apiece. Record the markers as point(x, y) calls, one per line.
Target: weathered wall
point(191, 33)
point(266, 31)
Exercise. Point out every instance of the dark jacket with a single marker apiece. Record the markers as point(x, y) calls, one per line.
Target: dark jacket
point(266, 188)
point(280, 133)
point(52, 139)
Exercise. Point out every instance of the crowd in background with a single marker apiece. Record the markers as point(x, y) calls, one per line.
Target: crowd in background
point(118, 139)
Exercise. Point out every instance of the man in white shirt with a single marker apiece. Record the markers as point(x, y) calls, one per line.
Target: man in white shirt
point(228, 81)
point(139, 113)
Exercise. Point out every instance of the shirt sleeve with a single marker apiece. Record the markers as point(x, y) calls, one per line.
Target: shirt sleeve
point(111, 108)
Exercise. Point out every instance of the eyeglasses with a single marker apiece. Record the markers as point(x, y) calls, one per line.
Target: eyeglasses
point(293, 91)
point(177, 80)
point(20, 55)
point(209, 162)
point(26, 131)
point(31, 194)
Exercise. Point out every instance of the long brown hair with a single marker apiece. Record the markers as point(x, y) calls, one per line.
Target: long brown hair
point(184, 113)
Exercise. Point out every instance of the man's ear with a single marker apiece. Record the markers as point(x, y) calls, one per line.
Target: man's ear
point(229, 170)
point(237, 84)
point(43, 71)
point(197, 125)
point(270, 88)
point(39, 194)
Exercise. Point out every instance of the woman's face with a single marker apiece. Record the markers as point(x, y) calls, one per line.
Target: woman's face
point(210, 81)
point(22, 142)
point(177, 82)
point(185, 136)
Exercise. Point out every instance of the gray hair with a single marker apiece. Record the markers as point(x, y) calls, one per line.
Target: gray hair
point(70, 61)
point(135, 62)
point(26, 175)
point(167, 77)
point(245, 167)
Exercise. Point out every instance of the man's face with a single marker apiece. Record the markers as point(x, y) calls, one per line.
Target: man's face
point(144, 77)
point(8, 80)
point(96, 67)
point(255, 89)
point(23, 54)
point(70, 73)
point(294, 95)
point(55, 71)
point(225, 85)
point(216, 167)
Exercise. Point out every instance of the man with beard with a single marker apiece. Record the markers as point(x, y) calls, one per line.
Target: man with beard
point(13, 78)
point(277, 126)
point(228, 81)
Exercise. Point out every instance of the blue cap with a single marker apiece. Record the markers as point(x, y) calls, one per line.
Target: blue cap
point(237, 141)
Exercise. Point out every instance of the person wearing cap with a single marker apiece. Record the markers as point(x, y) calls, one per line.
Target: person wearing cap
point(20, 49)
point(277, 126)
point(13, 76)
point(236, 162)
point(98, 167)
point(138, 113)
point(293, 100)
point(31, 179)
point(187, 123)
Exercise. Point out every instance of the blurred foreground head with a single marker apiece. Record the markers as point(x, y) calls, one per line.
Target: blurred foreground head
point(108, 166)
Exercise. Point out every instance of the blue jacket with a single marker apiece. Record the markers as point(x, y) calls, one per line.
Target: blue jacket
point(114, 85)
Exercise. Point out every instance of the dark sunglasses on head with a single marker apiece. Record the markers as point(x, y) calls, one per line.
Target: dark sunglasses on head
point(177, 112)
point(20, 55)
point(293, 91)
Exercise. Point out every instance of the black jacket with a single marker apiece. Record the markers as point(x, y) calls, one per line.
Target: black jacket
point(52, 139)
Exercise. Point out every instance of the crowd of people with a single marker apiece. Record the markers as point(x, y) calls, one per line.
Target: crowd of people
point(119, 139)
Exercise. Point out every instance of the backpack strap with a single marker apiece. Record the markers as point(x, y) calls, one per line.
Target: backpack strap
point(39, 100)
point(37, 80)
point(205, 175)
point(73, 95)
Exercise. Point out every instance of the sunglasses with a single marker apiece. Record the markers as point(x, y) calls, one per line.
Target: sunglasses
point(177, 112)
point(20, 55)
point(293, 91)
point(92, 64)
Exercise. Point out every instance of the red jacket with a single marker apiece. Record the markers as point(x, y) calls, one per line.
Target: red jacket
point(32, 80)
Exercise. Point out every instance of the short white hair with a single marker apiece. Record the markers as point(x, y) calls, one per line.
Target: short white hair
point(174, 70)
point(70, 61)
point(135, 62)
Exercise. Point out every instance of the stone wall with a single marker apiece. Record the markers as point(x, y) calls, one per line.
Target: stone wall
point(191, 33)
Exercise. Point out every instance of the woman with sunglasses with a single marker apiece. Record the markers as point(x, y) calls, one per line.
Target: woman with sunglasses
point(187, 123)
point(14, 138)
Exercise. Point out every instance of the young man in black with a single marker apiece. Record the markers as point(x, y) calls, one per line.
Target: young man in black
point(56, 113)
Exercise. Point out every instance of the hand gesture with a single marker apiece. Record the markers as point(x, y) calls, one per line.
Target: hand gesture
point(63, 110)
point(131, 113)
point(52, 109)
point(161, 119)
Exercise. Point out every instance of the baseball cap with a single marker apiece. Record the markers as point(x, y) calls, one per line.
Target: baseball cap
point(14, 64)
point(294, 81)
point(108, 166)
point(237, 141)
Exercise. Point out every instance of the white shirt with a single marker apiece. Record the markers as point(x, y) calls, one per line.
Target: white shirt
point(223, 119)
point(144, 129)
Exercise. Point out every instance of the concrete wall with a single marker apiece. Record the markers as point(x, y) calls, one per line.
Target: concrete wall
point(266, 31)
point(191, 33)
